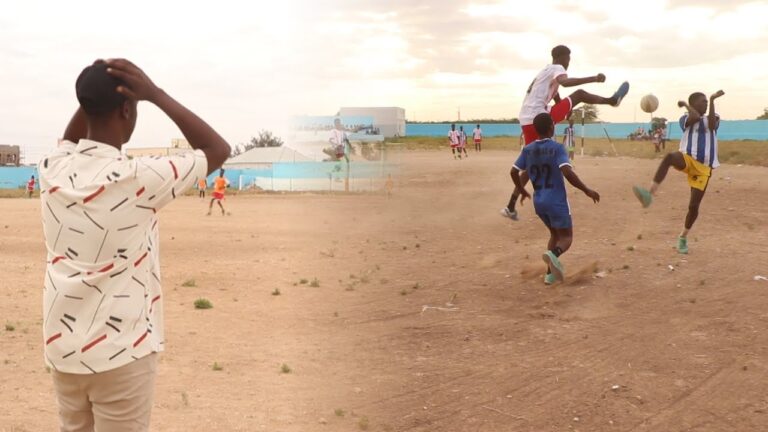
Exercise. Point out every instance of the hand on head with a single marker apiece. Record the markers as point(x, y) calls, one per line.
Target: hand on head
point(138, 86)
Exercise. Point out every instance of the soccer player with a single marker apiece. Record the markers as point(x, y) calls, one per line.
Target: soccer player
point(339, 142)
point(568, 140)
point(462, 142)
point(202, 184)
point(697, 158)
point(547, 164)
point(220, 184)
point(543, 89)
point(31, 187)
point(454, 140)
point(477, 135)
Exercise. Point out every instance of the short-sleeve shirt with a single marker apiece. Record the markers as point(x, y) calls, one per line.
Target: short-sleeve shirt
point(202, 183)
point(477, 134)
point(568, 135)
point(541, 91)
point(102, 301)
point(453, 136)
point(699, 142)
point(543, 159)
point(220, 184)
point(31, 185)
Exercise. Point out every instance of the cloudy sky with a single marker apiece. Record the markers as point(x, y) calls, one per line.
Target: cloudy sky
point(244, 66)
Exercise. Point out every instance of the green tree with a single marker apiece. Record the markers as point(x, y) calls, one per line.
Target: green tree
point(658, 123)
point(591, 114)
point(764, 115)
point(265, 139)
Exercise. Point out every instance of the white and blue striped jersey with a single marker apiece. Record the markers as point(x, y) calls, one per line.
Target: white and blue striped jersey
point(568, 137)
point(699, 142)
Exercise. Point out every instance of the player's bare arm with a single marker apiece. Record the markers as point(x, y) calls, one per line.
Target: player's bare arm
point(77, 128)
point(712, 117)
point(574, 180)
point(564, 81)
point(199, 134)
point(693, 115)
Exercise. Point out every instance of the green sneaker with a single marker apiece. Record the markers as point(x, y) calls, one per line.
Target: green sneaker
point(554, 265)
point(643, 195)
point(682, 245)
point(549, 279)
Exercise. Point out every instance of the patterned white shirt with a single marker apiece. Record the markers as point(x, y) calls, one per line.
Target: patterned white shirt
point(102, 302)
point(699, 142)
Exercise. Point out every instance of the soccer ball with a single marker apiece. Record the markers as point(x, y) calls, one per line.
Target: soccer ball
point(649, 103)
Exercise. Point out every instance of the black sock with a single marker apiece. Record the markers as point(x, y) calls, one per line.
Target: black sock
point(557, 251)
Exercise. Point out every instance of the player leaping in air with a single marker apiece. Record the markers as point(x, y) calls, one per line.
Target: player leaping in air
point(543, 89)
point(697, 158)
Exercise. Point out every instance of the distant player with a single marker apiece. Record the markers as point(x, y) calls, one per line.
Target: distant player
point(31, 187)
point(547, 164)
point(462, 142)
point(454, 140)
point(220, 184)
point(697, 158)
point(477, 136)
point(568, 140)
point(389, 185)
point(544, 89)
point(339, 142)
point(202, 184)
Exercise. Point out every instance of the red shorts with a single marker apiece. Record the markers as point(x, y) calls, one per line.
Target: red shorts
point(454, 145)
point(477, 141)
point(558, 113)
point(218, 195)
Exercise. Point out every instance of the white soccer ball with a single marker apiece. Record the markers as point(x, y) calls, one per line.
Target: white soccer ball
point(649, 103)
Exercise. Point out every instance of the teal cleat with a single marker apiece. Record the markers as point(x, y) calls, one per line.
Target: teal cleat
point(644, 195)
point(549, 279)
point(682, 245)
point(554, 265)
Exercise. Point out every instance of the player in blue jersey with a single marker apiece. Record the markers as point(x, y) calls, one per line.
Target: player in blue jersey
point(547, 165)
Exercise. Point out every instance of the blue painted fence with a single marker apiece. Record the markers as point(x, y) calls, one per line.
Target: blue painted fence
point(729, 129)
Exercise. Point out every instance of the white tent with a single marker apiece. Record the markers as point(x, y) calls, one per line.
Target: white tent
point(264, 157)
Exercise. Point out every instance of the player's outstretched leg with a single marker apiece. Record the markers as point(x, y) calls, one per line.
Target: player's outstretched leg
point(645, 196)
point(582, 96)
point(210, 206)
point(221, 207)
point(563, 237)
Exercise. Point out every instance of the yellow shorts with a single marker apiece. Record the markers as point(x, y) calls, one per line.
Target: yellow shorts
point(698, 173)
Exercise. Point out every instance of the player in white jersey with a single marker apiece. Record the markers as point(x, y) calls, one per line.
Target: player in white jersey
point(477, 136)
point(697, 158)
point(543, 89)
point(462, 142)
point(454, 140)
point(568, 140)
point(339, 143)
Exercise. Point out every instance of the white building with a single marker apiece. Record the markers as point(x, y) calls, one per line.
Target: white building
point(389, 120)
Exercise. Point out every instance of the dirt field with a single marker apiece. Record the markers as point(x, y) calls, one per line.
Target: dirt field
point(660, 343)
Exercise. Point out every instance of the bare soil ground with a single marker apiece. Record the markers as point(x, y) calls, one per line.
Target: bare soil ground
point(430, 314)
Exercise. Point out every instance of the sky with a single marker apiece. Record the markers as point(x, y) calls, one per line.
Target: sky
point(247, 66)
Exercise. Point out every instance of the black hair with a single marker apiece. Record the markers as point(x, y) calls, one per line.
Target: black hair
point(559, 51)
point(97, 90)
point(695, 96)
point(543, 124)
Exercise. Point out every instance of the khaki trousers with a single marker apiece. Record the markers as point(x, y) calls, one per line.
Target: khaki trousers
point(119, 400)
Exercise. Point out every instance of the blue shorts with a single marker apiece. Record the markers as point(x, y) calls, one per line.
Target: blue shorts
point(555, 216)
